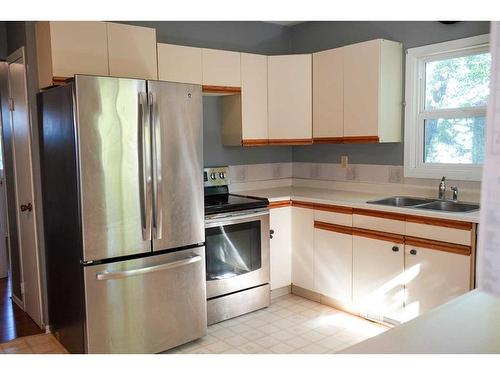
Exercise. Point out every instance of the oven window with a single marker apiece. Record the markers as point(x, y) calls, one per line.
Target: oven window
point(233, 250)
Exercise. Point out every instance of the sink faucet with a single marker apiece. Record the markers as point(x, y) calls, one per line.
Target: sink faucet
point(442, 189)
point(454, 190)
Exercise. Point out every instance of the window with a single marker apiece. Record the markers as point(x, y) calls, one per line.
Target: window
point(447, 89)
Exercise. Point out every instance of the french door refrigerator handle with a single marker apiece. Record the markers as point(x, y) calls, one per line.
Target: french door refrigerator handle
point(105, 275)
point(145, 167)
point(157, 157)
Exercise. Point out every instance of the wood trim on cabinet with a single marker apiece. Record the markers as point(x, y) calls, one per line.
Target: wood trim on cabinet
point(60, 80)
point(333, 208)
point(290, 142)
point(381, 214)
point(464, 225)
point(254, 142)
point(221, 89)
point(279, 204)
point(333, 227)
point(361, 139)
point(389, 237)
point(438, 245)
point(302, 204)
point(328, 140)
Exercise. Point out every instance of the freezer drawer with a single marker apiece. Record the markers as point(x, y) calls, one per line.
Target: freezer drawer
point(146, 305)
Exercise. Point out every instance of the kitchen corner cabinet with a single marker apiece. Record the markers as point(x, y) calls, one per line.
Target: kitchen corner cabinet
point(303, 247)
point(433, 277)
point(281, 247)
point(378, 278)
point(132, 51)
point(333, 264)
point(290, 99)
point(67, 48)
point(372, 107)
point(221, 68)
point(244, 116)
point(328, 96)
point(179, 64)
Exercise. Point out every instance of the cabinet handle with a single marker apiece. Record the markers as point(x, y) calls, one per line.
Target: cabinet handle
point(395, 248)
point(271, 232)
point(413, 252)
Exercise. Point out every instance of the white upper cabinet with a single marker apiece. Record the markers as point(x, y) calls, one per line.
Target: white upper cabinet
point(290, 99)
point(434, 277)
point(221, 68)
point(328, 95)
point(132, 51)
point(179, 64)
point(254, 98)
point(373, 91)
point(68, 48)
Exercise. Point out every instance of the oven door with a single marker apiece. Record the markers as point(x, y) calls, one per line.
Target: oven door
point(237, 251)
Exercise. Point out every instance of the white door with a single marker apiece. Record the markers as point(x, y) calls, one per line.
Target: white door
point(25, 205)
point(281, 247)
point(3, 227)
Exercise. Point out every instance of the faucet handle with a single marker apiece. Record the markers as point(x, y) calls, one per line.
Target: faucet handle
point(454, 190)
point(443, 178)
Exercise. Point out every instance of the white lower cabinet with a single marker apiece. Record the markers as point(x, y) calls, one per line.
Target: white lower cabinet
point(433, 277)
point(281, 247)
point(333, 265)
point(303, 247)
point(378, 278)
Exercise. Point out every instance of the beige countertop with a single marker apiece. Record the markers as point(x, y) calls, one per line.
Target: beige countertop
point(467, 324)
point(351, 199)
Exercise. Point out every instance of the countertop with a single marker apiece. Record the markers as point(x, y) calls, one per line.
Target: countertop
point(467, 324)
point(351, 199)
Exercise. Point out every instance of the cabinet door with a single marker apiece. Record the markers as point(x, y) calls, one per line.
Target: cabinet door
point(333, 264)
point(179, 64)
point(281, 247)
point(132, 51)
point(290, 98)
point(221, 68)
point(68, 48)
point(303, 247)
point(377, 280)
point(254, 97)
point(361, 89)
point(328, 94)
point(433, 277)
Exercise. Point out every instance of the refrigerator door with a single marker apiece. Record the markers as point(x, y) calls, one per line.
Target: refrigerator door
point(115, 166)
point(178, 208)
point(146, 305)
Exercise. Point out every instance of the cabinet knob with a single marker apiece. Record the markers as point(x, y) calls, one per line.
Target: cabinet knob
point(413, 252)
point(271, 232)
point(395, 248)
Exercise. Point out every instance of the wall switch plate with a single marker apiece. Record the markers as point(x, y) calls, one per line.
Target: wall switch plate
point(344, 161)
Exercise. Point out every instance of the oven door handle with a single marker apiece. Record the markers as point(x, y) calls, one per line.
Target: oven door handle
point(233, 215)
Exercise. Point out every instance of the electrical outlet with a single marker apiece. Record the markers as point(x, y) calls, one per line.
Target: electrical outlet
point(344, 161)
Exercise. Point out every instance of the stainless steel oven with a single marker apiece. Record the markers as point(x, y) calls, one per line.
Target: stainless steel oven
point(237, 262)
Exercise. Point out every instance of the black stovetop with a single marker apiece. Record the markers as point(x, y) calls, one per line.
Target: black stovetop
point(218, 200)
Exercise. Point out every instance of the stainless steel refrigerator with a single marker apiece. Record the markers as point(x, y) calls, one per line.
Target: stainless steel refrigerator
point(121, 163)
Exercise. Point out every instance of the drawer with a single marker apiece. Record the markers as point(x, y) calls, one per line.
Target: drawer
point(379, 221)
point(440, 230)
point(333, 214)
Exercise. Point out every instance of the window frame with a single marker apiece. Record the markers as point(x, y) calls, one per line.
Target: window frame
point(416, 58)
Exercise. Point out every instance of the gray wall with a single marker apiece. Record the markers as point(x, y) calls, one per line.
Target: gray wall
point(3, 40)
point(254, 37)
point(316, 36)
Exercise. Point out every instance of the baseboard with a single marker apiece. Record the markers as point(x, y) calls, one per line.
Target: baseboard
point(306, 293)
point(280, 292)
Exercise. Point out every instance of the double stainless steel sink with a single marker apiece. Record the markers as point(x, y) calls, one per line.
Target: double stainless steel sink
point(427, 204)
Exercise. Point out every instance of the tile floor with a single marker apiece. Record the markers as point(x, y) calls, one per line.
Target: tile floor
point(290, 325)
point(44, 343)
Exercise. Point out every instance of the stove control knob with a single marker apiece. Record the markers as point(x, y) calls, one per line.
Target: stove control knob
point(222, 175)
point(213, 176)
